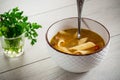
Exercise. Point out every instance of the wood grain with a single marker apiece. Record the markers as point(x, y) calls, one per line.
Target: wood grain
point(36, 63)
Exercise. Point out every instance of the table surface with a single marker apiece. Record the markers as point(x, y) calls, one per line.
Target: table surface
point(36, 63)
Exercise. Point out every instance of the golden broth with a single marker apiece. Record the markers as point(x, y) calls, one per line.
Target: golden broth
point(66, 41)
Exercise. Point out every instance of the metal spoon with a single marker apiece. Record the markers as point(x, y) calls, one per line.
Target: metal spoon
point(79, 7)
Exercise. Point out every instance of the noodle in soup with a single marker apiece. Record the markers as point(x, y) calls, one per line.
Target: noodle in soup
point(67, 41)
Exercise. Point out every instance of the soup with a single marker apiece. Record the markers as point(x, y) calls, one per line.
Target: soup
point(67, 41)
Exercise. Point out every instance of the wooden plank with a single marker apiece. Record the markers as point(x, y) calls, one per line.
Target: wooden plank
point(36, 68)
point(31, 7)
point(48, 70)
point(38, 52)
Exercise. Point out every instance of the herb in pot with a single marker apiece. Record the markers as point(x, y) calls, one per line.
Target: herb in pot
point(13, 24)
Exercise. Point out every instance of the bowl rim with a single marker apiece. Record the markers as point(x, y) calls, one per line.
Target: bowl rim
point(75, 54)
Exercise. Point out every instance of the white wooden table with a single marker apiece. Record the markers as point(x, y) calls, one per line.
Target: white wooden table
point(36, 63)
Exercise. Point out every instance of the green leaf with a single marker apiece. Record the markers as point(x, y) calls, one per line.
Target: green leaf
point(35, 26)
point(15, 9)
point(35, 34)
point(4, 29)
point(13, 24)
point(18, 14)
point(29, 37)
point(25, 19)
point(33, 41)
point(0, 33)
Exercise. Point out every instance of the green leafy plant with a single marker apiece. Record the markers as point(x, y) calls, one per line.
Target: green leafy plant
point(14, 24)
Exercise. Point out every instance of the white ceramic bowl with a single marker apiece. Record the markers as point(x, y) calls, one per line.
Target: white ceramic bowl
point(77, 63)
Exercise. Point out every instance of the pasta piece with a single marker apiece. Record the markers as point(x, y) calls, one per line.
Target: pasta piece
point(82, 40)
point(64, 49)
point(84, 46)
point(60, 41)
point(61, 48)
point(75, 35)
point(83, 52)
point(62, 32)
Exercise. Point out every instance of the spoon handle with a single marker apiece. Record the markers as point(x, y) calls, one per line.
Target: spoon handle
point(79, 7)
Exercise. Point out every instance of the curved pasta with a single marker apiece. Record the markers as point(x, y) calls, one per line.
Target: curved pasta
point(84, 46)
point(79, 49)
point(83, 52)
point(60, 41)
point(83, 40)
point(61, 48)
point(64, 49)
point(62, 32)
